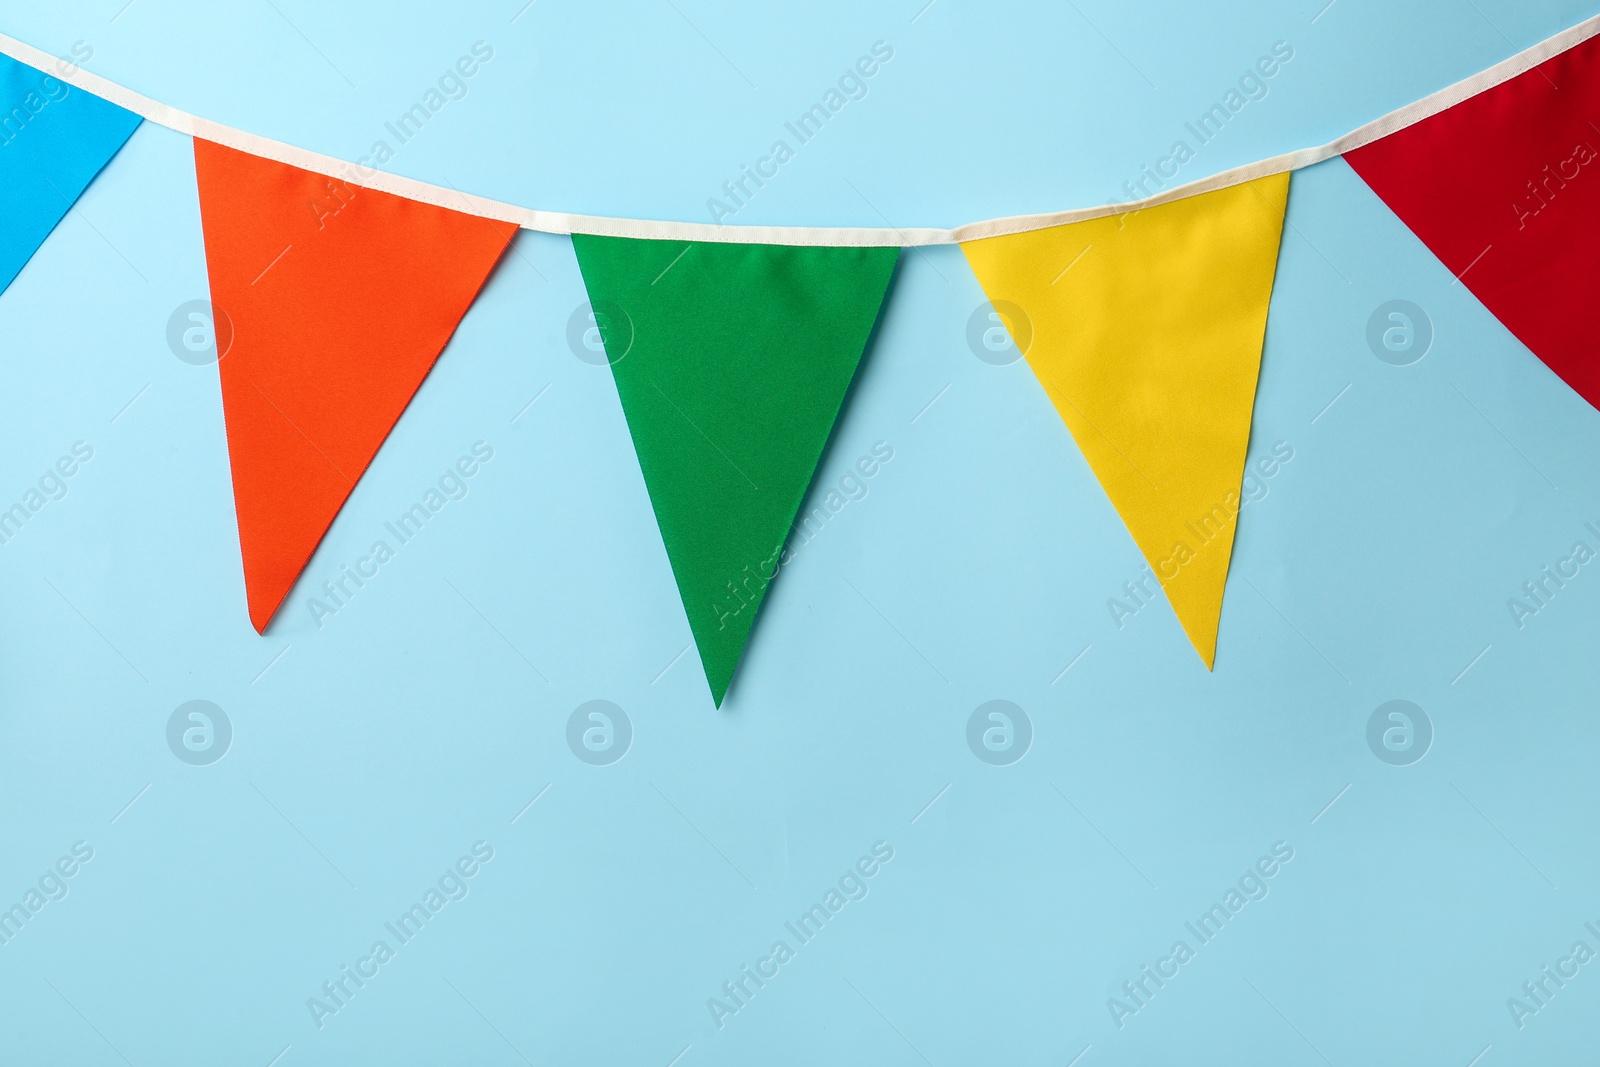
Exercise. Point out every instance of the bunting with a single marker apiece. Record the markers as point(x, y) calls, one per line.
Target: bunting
point(732, 362)
point(1147, 331)
point(733, 348)
point(341, 298)
point(53, 140)
point(1515, 213)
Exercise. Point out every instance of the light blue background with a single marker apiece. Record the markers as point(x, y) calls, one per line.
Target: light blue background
point(370, 753)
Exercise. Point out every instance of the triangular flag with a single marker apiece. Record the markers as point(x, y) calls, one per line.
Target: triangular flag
point(1146, 335)
point(732, 362)
point(54, 139)
point(340, 299)
point(1504, 188)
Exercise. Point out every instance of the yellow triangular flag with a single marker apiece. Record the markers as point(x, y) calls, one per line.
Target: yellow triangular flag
point(1146, 334)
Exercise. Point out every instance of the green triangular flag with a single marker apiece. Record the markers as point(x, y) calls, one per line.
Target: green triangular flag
point(732, 362)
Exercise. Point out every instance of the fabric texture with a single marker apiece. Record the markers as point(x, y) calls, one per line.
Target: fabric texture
point(340, 300)
point(54, 139)
point(732, 363)
point(1505, 189)
point(1145, 330)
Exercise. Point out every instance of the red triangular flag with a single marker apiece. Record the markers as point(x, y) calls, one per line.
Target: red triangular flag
point(1504, 188)
point(340, 299)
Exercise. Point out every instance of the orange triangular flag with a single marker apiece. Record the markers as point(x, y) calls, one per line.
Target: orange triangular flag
point(340, 299)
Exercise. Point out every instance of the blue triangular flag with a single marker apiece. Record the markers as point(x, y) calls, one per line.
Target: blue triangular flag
point(54, 138)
